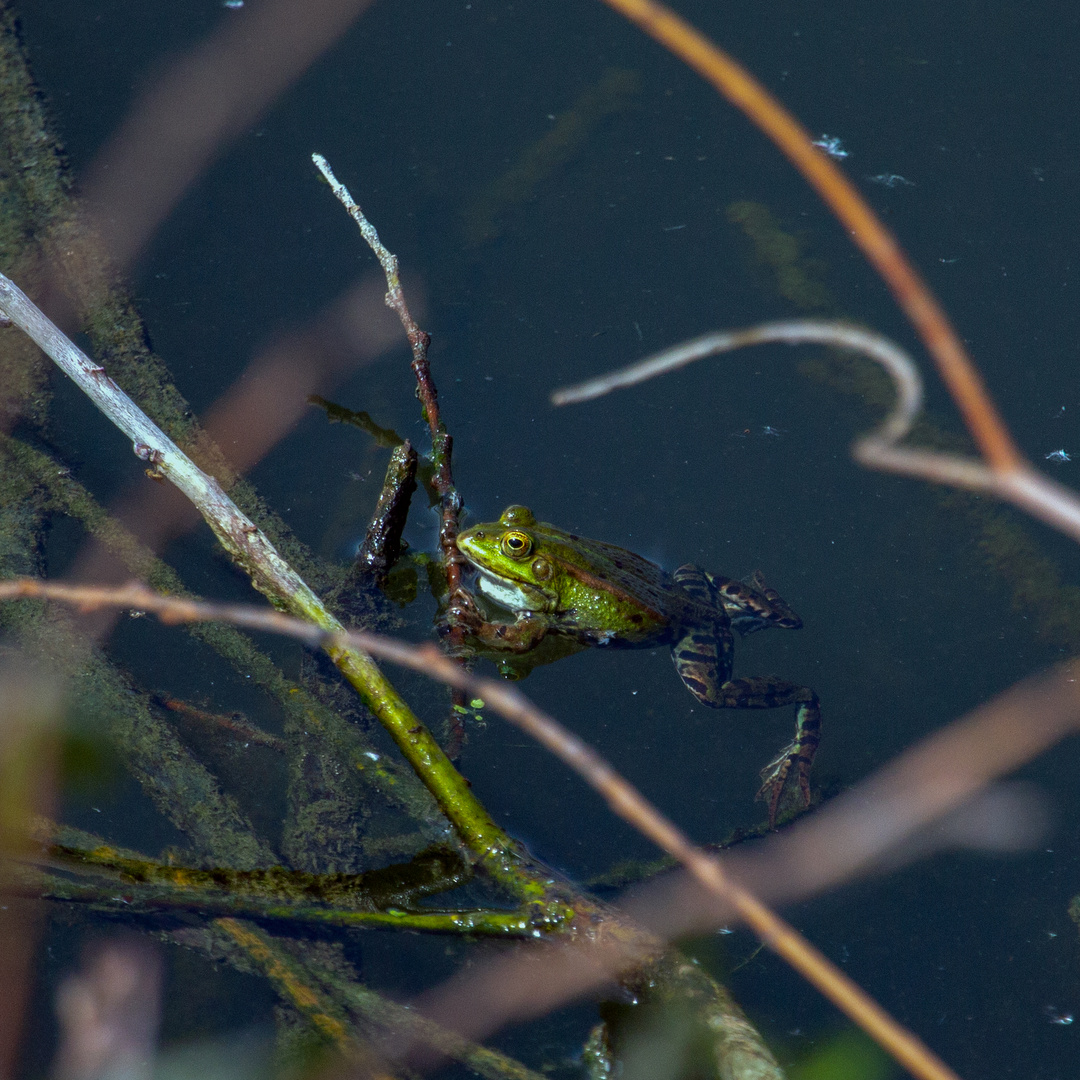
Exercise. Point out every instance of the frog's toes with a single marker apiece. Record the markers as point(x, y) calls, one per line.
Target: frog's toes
point(788, 769)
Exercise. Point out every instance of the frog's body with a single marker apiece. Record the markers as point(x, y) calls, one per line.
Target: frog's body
point(569, 592)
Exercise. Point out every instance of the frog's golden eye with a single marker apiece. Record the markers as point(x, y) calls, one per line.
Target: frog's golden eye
point(541, 569)
point(515, 544)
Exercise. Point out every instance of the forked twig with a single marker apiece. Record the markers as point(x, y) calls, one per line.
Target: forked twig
point(441, 442)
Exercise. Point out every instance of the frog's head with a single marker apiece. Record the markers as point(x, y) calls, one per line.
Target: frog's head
point(515, 570)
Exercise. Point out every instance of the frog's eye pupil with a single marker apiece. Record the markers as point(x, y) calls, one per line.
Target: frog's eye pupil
point(516, 545)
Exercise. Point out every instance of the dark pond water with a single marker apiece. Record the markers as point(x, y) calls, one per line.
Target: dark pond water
point(618, 245)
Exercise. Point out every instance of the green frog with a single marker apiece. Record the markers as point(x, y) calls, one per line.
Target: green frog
point(568, 593)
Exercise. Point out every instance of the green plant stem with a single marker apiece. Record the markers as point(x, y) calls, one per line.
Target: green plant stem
point(147, 902)
point(251, 550)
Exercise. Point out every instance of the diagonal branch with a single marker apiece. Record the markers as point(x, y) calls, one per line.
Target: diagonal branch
point(613, 952)
point(272, 576)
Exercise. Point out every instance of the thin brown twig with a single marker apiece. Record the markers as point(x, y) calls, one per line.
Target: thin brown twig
point(419, 340)
point(442, 443)
point(863, 225)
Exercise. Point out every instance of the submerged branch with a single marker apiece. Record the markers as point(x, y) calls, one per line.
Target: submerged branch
point(81, 869)
point(146, 901)
point(299, 981)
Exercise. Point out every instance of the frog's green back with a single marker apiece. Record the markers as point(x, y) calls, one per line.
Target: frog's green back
point(611, 589)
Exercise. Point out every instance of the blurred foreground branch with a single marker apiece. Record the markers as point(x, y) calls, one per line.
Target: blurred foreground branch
point(857, 830)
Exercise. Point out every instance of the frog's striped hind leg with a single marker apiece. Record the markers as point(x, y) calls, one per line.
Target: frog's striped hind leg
point(703, 660)
point(704, 656)
point(749, 605)
point(700, 584)
point(792, 764)
point(790, 769)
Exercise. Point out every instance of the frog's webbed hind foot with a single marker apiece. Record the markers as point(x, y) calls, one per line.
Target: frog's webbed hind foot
point(788, 774)
point(753, 605)
point(703, 658)
point(789, 771)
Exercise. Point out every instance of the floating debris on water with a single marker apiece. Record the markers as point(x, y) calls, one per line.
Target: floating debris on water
point(832, 146)
point(891, 180)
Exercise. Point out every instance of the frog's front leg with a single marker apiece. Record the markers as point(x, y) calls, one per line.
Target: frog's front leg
point(791, 766)
point(519, 636)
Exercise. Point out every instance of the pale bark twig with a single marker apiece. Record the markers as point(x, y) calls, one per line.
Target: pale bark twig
point(271, 575)
point(1022, 485)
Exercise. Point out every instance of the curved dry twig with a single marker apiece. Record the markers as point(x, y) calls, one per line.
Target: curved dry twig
point(1023, 486)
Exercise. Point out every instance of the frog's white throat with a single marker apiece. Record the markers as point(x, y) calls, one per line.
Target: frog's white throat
point(502, 592)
